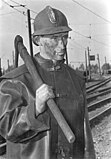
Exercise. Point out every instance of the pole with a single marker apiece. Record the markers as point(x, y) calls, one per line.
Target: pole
point(29, 31)
point(99, 64)
point(89, 63)
point(86, 64)
point(13, 57)
point(66, 56)
point(8, 65)
point(0, 68)
point(105, 60)
point(0, 62)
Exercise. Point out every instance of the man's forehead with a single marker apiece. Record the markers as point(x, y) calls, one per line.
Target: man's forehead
point(60, 34)
point(57, 35)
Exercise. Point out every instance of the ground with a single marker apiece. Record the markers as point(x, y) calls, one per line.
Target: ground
point(102, 139)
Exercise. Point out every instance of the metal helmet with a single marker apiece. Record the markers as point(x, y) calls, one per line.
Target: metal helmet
point(50, 21)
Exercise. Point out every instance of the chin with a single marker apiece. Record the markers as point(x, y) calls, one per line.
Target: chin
point(61, 58)
point(58, 58)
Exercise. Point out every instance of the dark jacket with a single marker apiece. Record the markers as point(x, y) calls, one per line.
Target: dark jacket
point(31, 136)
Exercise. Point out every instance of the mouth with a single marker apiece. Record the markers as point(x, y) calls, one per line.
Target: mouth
point(59, 53)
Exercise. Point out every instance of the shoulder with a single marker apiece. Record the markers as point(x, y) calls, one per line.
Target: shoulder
point(77, 75)
point(80, 74)
point(15, 72)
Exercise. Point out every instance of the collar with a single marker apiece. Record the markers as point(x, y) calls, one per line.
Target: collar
point(47, 64)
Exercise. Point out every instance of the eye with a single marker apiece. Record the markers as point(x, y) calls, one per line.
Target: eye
point(65, 37)
point(65, 40)
point(54, 37)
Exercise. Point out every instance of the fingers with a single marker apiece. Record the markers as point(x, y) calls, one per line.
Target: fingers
point(43, 93)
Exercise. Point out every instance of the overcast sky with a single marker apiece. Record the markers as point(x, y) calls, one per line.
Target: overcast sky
point(87, 18)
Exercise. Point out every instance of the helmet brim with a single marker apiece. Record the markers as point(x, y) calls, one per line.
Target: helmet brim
point(52, 30)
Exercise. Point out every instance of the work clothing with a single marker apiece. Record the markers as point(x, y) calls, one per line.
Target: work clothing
point(33, 136)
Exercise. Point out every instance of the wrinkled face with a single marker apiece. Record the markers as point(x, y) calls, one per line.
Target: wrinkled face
point(54, 46)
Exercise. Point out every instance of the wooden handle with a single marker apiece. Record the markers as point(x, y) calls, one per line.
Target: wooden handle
point(61, 121)
point(38, 82)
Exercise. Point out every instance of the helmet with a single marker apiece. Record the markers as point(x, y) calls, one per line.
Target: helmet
point(50, 21)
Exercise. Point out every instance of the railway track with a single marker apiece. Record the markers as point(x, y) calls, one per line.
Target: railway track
point(94, 87)
point(99, 102)
point(103, 92)
point(95, 119)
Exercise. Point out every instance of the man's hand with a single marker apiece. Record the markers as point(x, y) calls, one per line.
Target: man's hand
point(43, 93)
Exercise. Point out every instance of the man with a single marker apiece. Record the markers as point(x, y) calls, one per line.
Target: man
point(26, 122)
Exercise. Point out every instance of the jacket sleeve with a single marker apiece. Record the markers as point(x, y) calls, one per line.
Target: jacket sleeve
point(89, 146)
point(18, 121)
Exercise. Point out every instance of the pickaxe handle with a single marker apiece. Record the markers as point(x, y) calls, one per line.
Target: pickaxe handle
point(20, 48)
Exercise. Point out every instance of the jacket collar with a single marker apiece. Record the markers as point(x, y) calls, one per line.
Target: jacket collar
point(47, 64)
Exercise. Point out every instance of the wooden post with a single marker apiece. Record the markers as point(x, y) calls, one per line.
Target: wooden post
point(89, 63)
point(66, 56)
point(13, 58)
point(30, 35)
point(105, 60)
point(99, 64)
point(0, 68)
point(8, 65)
point(86, 65)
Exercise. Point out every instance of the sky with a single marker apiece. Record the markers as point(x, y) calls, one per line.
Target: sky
point(90, 21)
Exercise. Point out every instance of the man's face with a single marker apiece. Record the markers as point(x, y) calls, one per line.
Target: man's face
point(54, 46)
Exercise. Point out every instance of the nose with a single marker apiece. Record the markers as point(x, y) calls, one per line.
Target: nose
point(61, 43)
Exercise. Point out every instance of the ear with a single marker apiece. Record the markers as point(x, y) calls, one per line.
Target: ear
point(36, 40)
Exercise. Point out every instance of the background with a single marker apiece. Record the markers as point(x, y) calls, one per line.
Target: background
point(90, 21)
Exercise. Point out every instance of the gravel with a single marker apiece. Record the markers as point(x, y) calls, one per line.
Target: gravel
point(102, 138)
